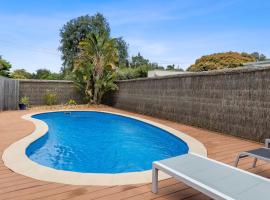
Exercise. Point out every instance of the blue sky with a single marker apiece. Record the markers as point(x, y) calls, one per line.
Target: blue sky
point(166, 32)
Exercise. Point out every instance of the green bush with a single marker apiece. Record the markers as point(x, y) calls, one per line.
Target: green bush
point(25, 100)
point(71, 102)
point(132, 73)
point(50, 98)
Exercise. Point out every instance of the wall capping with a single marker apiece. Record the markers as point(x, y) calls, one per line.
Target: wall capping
point(205, 73)
point(44, 81)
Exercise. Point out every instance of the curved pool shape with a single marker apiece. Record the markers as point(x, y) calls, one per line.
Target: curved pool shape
point(97, 142)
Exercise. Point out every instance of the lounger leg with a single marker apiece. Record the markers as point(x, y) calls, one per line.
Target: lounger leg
point(237, 160)
point(254, 162)
point(154, 180)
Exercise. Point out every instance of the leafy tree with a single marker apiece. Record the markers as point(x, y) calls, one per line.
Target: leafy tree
point(179, 69)
point(220, 61)
point(21, 74)
point(95, 64)
point(4, 67)
point(105, 84)
point(258, 56)
point(170, 67)
point(46, 75)
point(139, 68)
point(122, 47)
point(76, 30)
point(138, 60)
point(156, 66)
point(55, 76)
point(132, 73)
point(42, 74)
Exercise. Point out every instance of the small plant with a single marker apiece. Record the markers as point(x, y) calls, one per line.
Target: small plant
point(24, 103)
point(24, 100)
point(50, 98)
point(71, 102)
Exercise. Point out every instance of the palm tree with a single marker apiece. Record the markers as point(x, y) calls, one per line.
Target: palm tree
point(96, 61)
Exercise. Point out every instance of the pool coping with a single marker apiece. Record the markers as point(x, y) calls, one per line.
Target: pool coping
point(15, 158)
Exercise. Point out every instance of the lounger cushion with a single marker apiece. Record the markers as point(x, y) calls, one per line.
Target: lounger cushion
point(231, 182)
point(263, 152)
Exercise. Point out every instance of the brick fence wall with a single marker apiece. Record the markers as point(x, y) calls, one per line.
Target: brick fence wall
point(235, 102)
point(36, 89)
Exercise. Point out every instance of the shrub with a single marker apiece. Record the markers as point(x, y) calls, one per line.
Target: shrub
point(71, 102)
point(20, 74)
point(220, 61)
point(131, 73)
point(50, 98)
point(24, 100)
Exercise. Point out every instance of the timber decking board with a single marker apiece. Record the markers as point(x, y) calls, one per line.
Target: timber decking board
point(14, 186)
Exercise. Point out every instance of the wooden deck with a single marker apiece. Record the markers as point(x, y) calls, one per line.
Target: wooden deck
point(14, 186)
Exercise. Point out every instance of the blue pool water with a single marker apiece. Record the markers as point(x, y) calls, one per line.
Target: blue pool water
point(96, 142)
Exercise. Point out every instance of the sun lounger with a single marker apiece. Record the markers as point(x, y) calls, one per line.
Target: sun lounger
point(213, 178)
point(262, 153)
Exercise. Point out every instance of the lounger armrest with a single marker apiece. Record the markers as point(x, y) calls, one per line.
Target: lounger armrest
point(267, 143)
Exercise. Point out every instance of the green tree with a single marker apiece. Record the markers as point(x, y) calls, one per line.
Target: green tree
point(170, 67)
point(42, 74)
point(138, 60)
point(258, 56)
point(173, 68)
point(55, 76)
point(105, 84)
point(4, 67)
point(139, 68)
point(76, 30)
point(156, 66)
point(46, 75)
point(122, 47)
point(95, 64)
point(132, 73)
point(220, 61)
point(21, 74)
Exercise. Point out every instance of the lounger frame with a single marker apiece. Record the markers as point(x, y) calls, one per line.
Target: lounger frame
point(255, 156)
point(209, 191)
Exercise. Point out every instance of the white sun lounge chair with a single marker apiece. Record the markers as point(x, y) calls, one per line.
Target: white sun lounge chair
point(215, 179)
point(262, 153)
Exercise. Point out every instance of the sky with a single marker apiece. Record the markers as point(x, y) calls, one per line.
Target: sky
point(163, 31)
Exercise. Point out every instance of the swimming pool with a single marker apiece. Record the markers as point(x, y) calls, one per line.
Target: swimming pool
point(98, 142)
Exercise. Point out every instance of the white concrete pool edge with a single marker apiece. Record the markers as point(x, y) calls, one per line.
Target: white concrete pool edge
point(15, 158)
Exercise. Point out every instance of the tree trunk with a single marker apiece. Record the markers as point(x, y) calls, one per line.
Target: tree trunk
point(96, 92)
point(101, 93)
point(89, 91)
